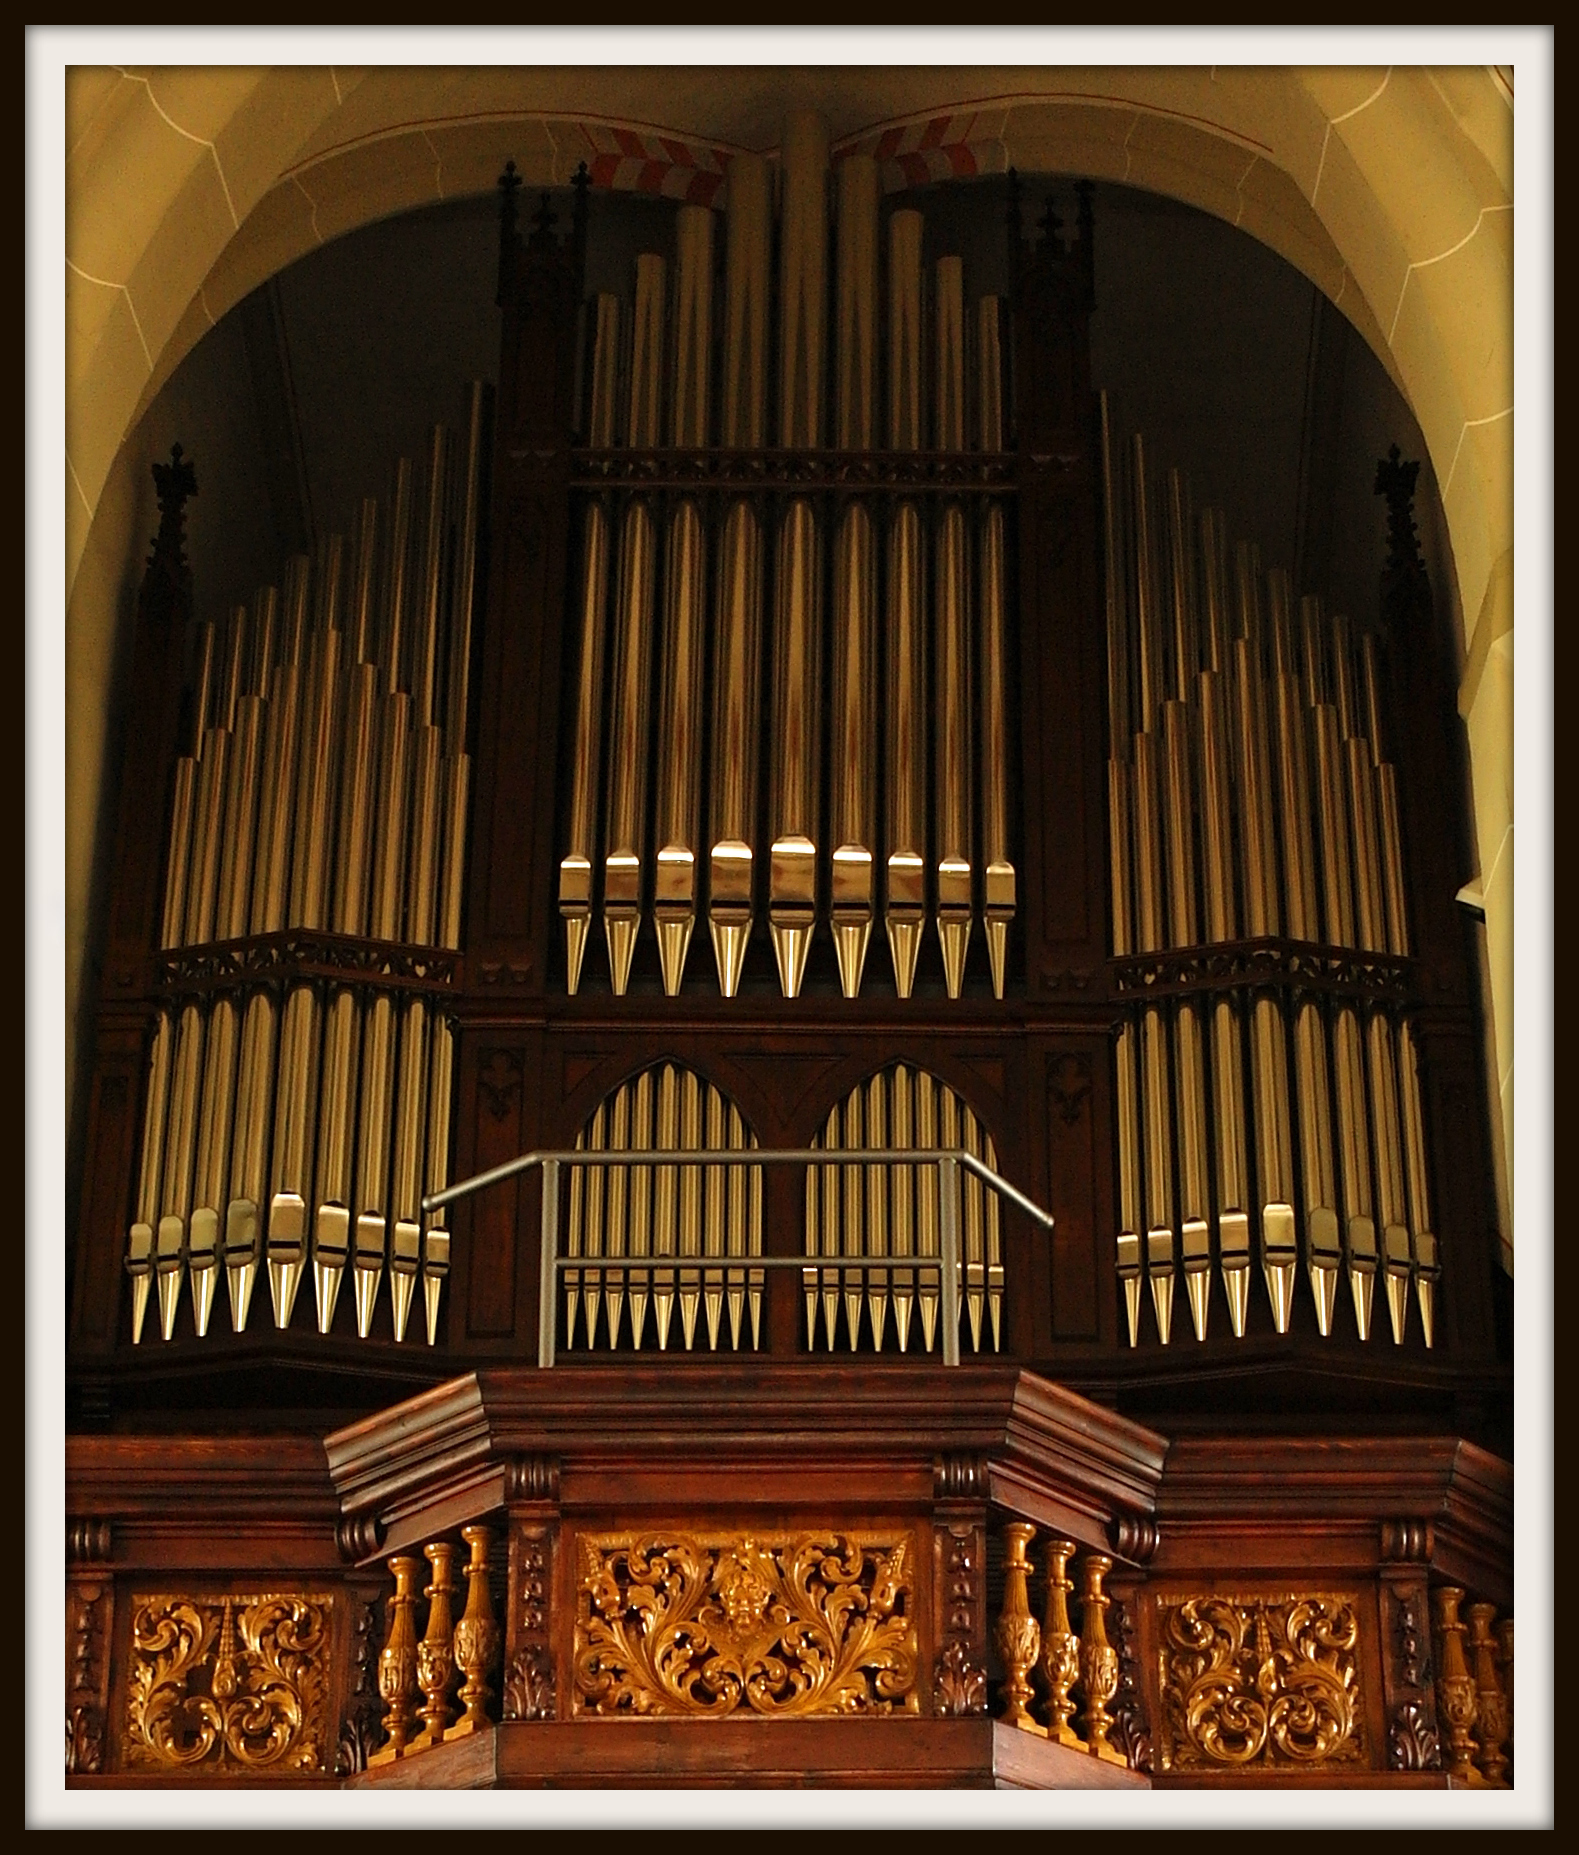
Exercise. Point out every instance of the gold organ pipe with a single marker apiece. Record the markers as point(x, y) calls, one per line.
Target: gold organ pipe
point(665, 1200)
point(680, 724)
point(140, 1239)
point(436, 1243)
point(394, 645)
point(630, 724)
point(628, 744)
point(1000, 893)
point(1268, 1036)
point(736, 721)
point(1148, 687)
point(295, 1125)
point(877, 1209)
point(575, 869)
point(792, 869)
point(953, 687)
point(752, 1183)
point(406, 1181)
point(1293, 767)
point(1252, 765)
point(597, 1181)
point(425, 641)
point(974, 1221)
point(1392, 1206)
point(1390, 842)
point(927, 1187)
point(457, 693)
point(1129, 1178)
point(628, 1200)
point(902, 1201)
point(906, 616)
point(853, 759)
point(906, 900)
point(358, 801)
point(1217, 630)
point(332, 1209)
point(239, 831)
point(1427, 1269)
point(176, 1173)
point(690, 1203)
point(803, 258)
point(1181, 561)
point(749, 222)
point(178, 862)
point(248, 1166)
point(362, 623)
point(1359, 1227)
point(852, 1217)
point(207, 817)
point(857, 303)
point(203, 691)
point(1233, 1196)
point(1323, 1248)
point(905, 336)
point(372, 1175)
point(315, 829)
point(853, 797)
point(213, 1160)
point(953, 676)
point(693, 326)
point(714, 1135)
point(394, 781)
point(422, 886)
point(680, 732)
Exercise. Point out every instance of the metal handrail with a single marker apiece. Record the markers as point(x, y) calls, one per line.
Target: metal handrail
point(948, 1161)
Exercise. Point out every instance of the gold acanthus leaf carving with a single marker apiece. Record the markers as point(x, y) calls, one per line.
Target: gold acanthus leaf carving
point(1260, 1680)
point(239, 1682)
point(782, 1626)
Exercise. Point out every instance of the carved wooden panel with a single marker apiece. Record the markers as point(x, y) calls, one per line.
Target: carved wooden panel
point(1262, 1680)
point(237, 1682)
point(777, 1624)
point(90, 1618)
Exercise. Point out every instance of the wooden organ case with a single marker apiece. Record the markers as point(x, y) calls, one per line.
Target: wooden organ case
point(812, 728)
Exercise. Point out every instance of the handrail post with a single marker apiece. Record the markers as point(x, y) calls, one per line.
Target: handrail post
point(948, 1244)
point(547, 1276)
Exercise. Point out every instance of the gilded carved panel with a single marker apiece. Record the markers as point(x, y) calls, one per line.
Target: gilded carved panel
point(776, 1624)
point(1260, 1680)
point(238, 1682)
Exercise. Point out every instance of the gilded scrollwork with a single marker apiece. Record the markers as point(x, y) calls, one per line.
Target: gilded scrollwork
point(785, 1626)
point(233, 1681)
point(1260, 1680)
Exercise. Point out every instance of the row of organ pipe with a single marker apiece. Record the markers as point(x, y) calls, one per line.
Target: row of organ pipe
point(325, 790)
point(1251, 797)
point(663, 799)
point(891, 1215)
point(677, 1212)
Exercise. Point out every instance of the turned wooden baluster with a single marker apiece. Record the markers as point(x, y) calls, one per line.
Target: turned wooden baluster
point(436, 1651)
point(1018, 1636)
point(397, 1661)
point(1455, 1687)
point(476, 1635)
point(1060, 1645)
point(1491, 1724)
point(1098, 1657)
point(1505, 1667)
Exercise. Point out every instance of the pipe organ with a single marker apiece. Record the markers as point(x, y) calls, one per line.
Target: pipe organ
point(299, 1095)
point(860, 892)
point(811, 585)
point(1279, 904)
point(835, 603)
